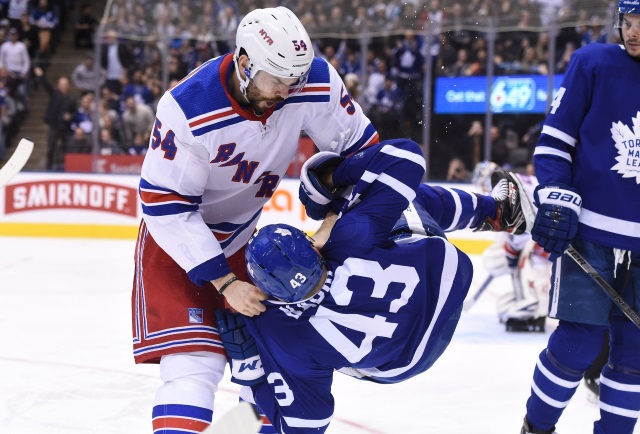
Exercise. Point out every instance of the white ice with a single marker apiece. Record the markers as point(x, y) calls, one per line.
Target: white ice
point(66, 365)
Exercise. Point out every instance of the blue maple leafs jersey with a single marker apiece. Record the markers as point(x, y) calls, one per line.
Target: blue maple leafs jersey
point(388, 308)
point(591, 141)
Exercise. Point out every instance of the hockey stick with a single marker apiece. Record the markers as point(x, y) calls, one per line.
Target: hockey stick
point(612, 293)
point(468, 303)
point(16, 162)
point(241, 419)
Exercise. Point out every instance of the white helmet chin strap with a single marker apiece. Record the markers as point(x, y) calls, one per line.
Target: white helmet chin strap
point(243, 83)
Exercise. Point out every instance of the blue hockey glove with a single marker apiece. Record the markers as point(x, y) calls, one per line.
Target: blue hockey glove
point(556, 222)
point(241, 348)
point(315, 196)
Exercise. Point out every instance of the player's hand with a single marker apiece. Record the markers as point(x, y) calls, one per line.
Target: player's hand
point(245, 298)
point(556, 222)
point(316, 186)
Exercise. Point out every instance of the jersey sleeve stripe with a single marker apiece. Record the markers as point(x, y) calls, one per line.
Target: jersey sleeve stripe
point(458, 211)
point(146, 186)
point(609, 224)
point(398, 186)
point(152, 198)
point(167, 209)
point(295, 422)
point(546, 150)
point(401, 153)
point(369, 137)
point(554, 132)
point(231, 230)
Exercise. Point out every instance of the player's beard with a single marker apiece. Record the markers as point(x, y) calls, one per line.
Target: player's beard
point(258, 103)
point(633, 50)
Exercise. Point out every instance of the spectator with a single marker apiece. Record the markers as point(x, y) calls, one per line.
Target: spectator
point(595, 33)
point(376, 81)
point(79, 143)
point(88, 76)
point(85, 27)
point(60, 111)
point(29, 35)
point(108, 145)
point(138, 89)
point(137, 119)
point(116, 58)
point(44, 19)
point(17, 8)
point(458, 171)
point(352, 83)
point(562, 64)
point(85, 114)
point(14, 57)
point(387, 110)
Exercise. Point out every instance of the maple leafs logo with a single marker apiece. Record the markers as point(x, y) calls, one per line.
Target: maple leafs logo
point(628, 146)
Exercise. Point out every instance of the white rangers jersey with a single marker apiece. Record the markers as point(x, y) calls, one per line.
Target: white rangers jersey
point(212, 164)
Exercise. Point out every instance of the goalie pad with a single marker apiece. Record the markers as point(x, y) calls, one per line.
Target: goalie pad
point(494, 258)
point(535, 278)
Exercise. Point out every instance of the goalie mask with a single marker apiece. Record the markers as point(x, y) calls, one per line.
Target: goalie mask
point(279, 50)
point(481, 176)
point(282, 262)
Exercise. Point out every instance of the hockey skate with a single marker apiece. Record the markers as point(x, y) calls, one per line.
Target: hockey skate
point(509, 214)
point(527, 429)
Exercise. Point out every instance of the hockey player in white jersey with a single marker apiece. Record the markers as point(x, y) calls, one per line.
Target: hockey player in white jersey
point(222, 140)
point(382, 300)
point(587, 161)
point(525, 308)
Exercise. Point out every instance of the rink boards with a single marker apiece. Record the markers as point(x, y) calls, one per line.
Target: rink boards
point(80, 205)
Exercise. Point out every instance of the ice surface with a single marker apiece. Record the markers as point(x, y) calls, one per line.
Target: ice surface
point(66, 365)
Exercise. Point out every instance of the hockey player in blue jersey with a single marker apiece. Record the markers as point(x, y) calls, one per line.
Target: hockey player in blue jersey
point(588, 164)
point(382, 300)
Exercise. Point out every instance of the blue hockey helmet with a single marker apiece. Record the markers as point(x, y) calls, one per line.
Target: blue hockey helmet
point(628, 7)
point(282, 262)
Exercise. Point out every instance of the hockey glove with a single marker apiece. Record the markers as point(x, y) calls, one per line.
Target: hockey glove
point(556, 222)
point(241, 348)
point(509, 214)
point(313, 194)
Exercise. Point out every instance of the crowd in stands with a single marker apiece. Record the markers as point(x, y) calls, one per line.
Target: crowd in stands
point(29, 34)
point(141, 37)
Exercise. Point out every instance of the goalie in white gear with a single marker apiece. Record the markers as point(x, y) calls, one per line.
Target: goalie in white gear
point(525, 308)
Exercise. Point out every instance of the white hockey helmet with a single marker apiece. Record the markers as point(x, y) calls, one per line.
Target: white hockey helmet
point(276, 43)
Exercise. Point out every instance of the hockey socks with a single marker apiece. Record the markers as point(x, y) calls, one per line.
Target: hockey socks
point(619, 402)
point(177, 418)
point(572, 348)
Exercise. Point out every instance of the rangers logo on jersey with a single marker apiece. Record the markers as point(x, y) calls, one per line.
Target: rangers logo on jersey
point(628, 145)
point(196, 315)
